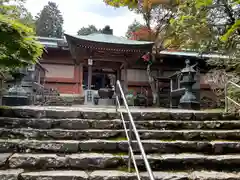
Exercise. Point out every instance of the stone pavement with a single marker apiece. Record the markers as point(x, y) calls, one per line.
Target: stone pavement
point(105, 109)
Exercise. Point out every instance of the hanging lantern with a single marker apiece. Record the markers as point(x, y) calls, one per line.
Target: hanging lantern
point(147, 58)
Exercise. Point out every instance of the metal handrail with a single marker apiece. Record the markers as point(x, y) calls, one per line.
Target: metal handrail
point(132, 128)
point(227, 98)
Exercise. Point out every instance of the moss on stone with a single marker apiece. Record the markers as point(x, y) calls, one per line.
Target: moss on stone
point(5, 107)
point(125, 169)
point(118, 139)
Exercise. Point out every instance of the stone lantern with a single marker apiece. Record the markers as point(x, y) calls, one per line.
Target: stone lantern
point(16, 95)
point(188, 100)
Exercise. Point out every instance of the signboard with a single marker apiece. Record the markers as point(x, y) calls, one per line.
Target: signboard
point(90, 62)
point(89, 97)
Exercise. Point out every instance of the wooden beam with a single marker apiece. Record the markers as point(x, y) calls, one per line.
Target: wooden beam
point(56, 62)
point(111, 60)
point(102, 64)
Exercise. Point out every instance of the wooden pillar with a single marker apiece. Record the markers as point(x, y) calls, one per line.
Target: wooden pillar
point(103, 80)
point(89, 77)
point(80, 66)
point(89, 73)
point(125, 86)
point(39, 76)
point(118, 78)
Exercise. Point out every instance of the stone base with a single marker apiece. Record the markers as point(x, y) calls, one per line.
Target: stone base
point(61, 101)
point(106, 102)
point(192, 106)
point(15, 101)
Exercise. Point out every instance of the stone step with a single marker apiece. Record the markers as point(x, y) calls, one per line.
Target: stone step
point(181, 125)
point(120, 146)
point(116, 175)
point(95, 161)
point(110, 113)
point(58, 175)
point(61, 134)
point(11, 174)
point(121, 175)
point(78, 124)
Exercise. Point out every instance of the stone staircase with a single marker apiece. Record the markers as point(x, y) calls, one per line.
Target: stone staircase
point(73, 145)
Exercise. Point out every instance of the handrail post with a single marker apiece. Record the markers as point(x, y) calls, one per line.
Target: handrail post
point(116, 103)
point(171, 89)
point(144, 156)
point(129, 152)
point(226, 99)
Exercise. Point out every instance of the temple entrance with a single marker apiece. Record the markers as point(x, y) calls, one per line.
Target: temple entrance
point(100, 79)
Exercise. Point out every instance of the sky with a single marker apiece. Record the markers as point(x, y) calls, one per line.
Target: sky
point(81, 13)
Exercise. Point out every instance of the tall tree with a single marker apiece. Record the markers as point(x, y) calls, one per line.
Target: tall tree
point(92, 29)
point(26, 18)
point(18, 46)
point(209, 26)
point(49, 21)
point(134, 27)
point(156, 17)
point(157, 21)
point(212, 26)
point(88, 30)
point(106, 30)
point(17, 11)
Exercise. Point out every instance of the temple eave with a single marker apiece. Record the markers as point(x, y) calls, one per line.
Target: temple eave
point(109, 42)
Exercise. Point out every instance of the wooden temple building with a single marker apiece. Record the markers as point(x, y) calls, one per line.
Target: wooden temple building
point(67, 62)
point(93, 61)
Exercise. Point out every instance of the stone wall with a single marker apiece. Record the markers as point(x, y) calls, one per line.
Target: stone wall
point(63, 100)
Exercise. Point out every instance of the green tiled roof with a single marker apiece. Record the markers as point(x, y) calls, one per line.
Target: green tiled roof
point(111, 39)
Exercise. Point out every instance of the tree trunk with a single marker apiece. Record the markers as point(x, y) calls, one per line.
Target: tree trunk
point(152, 84)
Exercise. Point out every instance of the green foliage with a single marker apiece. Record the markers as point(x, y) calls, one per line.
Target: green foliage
point(135, 26)
point(189, 29)
point(18, 46)
point(208, 26)
point(92, 29)
point(203, 3)
point(234, 93)
point(121, 3)
point(49, 21)
point(231, 30)
point(88, 30)
point(17, 11)
point(156, 20)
